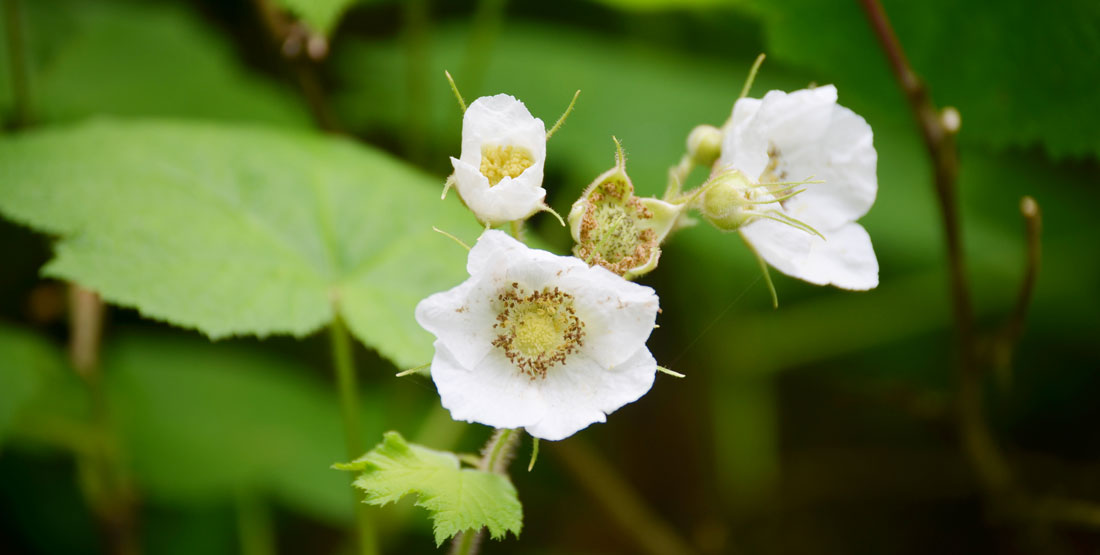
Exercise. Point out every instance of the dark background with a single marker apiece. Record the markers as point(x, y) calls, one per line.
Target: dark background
point(825, 426)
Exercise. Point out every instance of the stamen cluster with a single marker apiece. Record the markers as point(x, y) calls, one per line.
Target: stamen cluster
point(538, 330)
point(498, 162)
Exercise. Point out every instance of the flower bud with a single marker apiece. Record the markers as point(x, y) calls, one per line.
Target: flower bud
point(727, 200)
point(704, 145)
point(617, 230)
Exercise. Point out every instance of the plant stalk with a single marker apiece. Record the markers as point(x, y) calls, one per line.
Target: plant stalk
point(495, 456)
point(346, 383)
point(18, 62)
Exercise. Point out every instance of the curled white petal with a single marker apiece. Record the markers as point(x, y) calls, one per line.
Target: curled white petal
point(493, 122)
point(845, 258)
point(845, 159)
point(478, 382)
point(790, 137)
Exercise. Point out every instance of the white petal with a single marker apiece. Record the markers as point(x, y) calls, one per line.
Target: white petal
point(583, 392)
point(618, 315)
point(503, 121)
point(493, 248)
point(461, 319)
point(783, 247)
point(847, 260)
point(845, 159)
point(794, 120)
point(491, 392)
point(743, 146)
point(844, 259)
point(511, 199)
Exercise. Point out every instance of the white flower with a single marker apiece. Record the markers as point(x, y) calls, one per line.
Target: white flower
point(538, 341)
point(499, 173)
point(789, 137)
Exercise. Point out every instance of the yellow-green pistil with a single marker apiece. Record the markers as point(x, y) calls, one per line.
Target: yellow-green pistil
point(538, 330)
point(498, 162)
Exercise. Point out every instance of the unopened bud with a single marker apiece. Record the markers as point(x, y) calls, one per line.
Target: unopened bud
point(704, 145)
point(951, 119)
point(727, 202)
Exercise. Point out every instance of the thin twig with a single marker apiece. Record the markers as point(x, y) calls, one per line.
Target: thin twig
point(1005, 342)
point(108, 484)
point(938, 131)
point(986, 458)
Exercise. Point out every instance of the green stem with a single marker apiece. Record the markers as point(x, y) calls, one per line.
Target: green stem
point(495, 457)
point(499, 451)
point(676, 176)
point(103, 477)
point(416, 39)
point(18, 62)
point(466, 543)
point(483, 32)
point(254, 528)
point(344, 366)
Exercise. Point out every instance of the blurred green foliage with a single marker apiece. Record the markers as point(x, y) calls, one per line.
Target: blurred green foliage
point(194, 224)
point(821, 427)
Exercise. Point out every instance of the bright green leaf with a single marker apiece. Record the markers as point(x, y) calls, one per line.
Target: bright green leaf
point(239, 230)
point(459, 499)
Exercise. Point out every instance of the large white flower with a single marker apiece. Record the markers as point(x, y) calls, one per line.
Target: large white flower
point(499, 173)
point(538, 341)
point(788, 137)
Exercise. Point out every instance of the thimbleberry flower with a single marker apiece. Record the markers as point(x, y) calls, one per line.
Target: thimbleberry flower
point(499, 172)
point(538, 341)
point(784, 137)
point(614, 228)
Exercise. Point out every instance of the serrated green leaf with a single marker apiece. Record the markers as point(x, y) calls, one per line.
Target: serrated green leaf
point(239, 230)
point(459, 499)
point(1020, 74)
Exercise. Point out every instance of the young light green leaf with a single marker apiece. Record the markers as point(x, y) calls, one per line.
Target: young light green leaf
point(459, 499)
point(239, 230)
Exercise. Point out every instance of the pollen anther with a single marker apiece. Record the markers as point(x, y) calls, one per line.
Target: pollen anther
point(538, 330)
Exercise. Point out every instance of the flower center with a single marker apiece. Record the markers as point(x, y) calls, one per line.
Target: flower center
point(498, 162)
point(538, 330)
